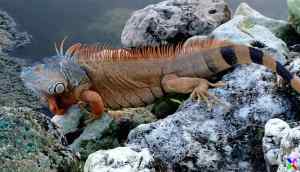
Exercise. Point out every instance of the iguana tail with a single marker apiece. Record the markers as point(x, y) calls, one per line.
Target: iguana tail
point(240, 54)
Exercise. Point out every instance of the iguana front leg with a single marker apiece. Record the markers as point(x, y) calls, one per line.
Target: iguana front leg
point(198, 87)
point(94, 100)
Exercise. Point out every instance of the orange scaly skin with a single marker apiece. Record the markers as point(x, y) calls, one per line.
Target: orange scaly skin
point(136, 77)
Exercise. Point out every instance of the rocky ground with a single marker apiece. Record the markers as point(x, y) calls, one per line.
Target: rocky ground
point(247, 132)
point(28, 139)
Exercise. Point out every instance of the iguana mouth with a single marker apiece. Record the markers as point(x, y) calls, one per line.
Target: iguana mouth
point(54, 105)
point(59, 104)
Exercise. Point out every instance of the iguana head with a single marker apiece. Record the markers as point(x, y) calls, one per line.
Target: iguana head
point(55, 77)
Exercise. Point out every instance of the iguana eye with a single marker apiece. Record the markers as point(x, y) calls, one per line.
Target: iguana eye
point(56, 88)
point(59, 88)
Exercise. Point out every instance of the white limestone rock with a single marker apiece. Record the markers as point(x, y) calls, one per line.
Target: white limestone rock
point(195, 138)
point(248, 26)
point(121, 159)
point(281, 143)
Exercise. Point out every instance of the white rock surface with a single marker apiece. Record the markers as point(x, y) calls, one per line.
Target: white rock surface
point(280, 143)
point(248, 26)
point(226, 137)
point(121, 159)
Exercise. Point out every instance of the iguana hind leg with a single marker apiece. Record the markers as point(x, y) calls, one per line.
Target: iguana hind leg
point(198, 87)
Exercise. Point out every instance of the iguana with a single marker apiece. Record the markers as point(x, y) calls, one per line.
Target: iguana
point(107, 78)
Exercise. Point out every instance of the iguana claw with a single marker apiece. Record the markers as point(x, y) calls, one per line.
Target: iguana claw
point(201, 93)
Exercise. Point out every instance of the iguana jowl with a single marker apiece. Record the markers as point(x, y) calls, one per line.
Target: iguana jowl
point(115, 78)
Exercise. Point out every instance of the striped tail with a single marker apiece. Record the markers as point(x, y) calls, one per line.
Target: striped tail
point(239, 54)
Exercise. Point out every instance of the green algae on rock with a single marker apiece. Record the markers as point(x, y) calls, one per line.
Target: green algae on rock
point(29, 142)
point(99, 134)
point(103, 133)
point(9, 36)
point(12, 91)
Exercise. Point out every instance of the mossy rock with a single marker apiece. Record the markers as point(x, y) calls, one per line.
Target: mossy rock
point(12, 90)
point(168, 105)
point(99, 134)
point(29, 142)
point(294, 13)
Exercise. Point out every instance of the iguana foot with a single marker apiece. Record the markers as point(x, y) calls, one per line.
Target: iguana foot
point(201, 93)
point(197, 86)
point(92, 117)
point(116, 115)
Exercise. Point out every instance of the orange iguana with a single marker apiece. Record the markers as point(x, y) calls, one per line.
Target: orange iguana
point(106, 78)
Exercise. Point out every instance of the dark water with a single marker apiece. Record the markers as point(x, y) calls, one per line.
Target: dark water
point(90, 21)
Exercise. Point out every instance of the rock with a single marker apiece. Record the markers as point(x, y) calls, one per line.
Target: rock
point(29, 142)
point(168, 105)
point(9, 36)
point(281, 145)
point(252, 28)
point(229, 136)
point(132, 117)
point(294, 67)
point(121, 159)
point(12, 91)
point(172, 21)
point(294, 14)
point(275, 130)
point(199, 38)
point(69, 122)
point(99, 134)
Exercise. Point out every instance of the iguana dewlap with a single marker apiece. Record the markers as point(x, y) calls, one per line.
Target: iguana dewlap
point(108, 78)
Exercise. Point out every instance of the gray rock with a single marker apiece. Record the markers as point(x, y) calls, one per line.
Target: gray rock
point(99, 134)
point(229, 136)
point(13, 93)
point(70, 121)
point(9, 36)
point(171, 21)
point(248, 26)
point(281, 142)
point(121, 159)
point(294, 14)
point(275, 130)
point(29, 142)
point(103, 133)
point(294, 67)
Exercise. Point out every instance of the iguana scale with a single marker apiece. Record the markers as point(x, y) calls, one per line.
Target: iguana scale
point(107, 78)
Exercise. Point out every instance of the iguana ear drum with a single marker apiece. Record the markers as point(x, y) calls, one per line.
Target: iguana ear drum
point(59, 88)
point(56, 88)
